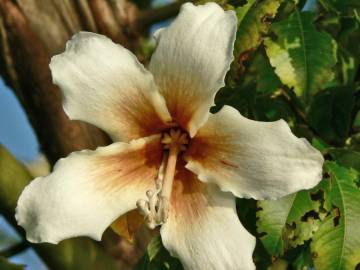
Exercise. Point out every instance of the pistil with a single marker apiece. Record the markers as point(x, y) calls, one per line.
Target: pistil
point(170, 171)
point(156, 208)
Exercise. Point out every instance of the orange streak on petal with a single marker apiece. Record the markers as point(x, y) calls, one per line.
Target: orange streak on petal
point(213, 150)
point(139, 167)
point(188, 198)
point(138, 115)
point(181, 100)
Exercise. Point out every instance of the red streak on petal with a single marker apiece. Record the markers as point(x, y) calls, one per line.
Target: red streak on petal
point(229, 164)
point(138, 115)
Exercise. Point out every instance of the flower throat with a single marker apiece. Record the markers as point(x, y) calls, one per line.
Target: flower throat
point(156, 208)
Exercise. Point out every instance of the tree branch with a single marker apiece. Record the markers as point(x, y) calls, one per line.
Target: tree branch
point(15, 249)
point(149, 17)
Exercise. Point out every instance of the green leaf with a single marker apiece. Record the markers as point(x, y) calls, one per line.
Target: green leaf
point(319, 144)
point(157, 258)
point(266, 80)
point(13, 178)
point(336, 244)
point(301, 55)
point(346, 157)
point(348, 68)
point(6, 265)
point(357, 120)
point(339, 5)
point(270, 108)
point(275, 217)
point(303, 260)
point(301, 231)
point(330, 114)
point(252, 25)
point(154, 247)
point(240, 98)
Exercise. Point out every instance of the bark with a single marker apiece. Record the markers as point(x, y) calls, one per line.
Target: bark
point(25, 58)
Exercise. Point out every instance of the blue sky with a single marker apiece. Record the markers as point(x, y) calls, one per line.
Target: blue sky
point(16, 133)
point(18, 137)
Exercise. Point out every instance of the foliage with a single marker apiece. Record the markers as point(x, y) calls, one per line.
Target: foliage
point(252, 24)
point(6, 265)
point(158, 258)
point(303, 67)
point(301, 55)
point(330, 114)
point(336, 244)
point(285, 223)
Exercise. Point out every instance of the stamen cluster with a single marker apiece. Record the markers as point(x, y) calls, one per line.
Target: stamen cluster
point(156, 208)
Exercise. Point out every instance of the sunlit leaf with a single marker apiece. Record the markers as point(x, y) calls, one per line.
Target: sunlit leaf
point(11, 170)
point(301, 55)
point(154, 247)
point(252, 24)
point(275, 217)
point(336, 244)
point(348, 68)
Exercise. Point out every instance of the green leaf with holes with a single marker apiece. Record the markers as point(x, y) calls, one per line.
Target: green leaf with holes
point(278, 219)
point(253, 24)
point(301, 55)
point(336, 244)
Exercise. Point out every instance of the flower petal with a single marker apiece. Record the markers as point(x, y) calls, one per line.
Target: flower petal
point(262, 160)
point(88, 190)
point(191, 59)
point(105, 85)
point(203, 229)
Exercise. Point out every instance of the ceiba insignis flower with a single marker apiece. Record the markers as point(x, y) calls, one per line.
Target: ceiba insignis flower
point(171, 159)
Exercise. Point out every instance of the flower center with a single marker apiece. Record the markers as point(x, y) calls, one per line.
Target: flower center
point(156, 208)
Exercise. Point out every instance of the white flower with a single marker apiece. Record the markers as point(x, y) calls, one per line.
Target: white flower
point(183, 166)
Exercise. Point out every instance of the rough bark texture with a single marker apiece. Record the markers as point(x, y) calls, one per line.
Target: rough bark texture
point(25, 57)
